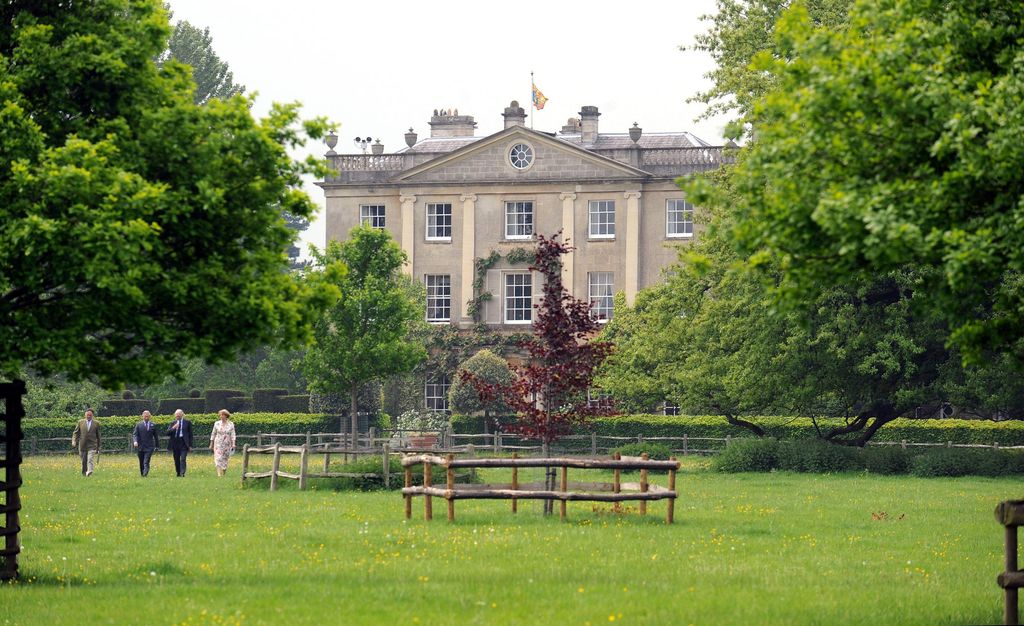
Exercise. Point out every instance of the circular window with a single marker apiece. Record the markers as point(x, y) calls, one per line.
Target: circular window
point(520, 156)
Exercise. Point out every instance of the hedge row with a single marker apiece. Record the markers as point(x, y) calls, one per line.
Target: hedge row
point(122, 426)
point(765, 455)
point(262, 401)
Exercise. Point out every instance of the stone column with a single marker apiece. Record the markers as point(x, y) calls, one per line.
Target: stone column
point(468, 255)
point(568, 232)
point(408, 224)
point(631, 282)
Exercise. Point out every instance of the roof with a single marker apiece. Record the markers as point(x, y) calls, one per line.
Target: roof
point(440, 144)
point(617, 141)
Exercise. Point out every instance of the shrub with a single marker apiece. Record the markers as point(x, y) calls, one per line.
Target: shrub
point(748, 455)
point(817, 457)
point(421, 421)
point(264, 399)
point(124, 407)
point(190, 406)
point(195, 393)
point(127, 395)
point(969, 462)
point(887, 459)
point(657, 451)
point(217, 399)
point(292, 404)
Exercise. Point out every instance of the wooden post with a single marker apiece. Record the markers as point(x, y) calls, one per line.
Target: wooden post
point(259, 439)
point(515, 483)
point(593, 443)
point(497, 441)
point(471, 453)
point(1010, 615)
point(408, 497)
point(276, 467)
point(327, 460)
point(309, 439)
point(670, 513)
point(685, 452)
point(303, 465)
point(450, 487)
point(387, 466)
point(34, 444)
point(643, 486)
point(903, 444)
point(372, 435)
point(245, 461)
point(616, 481)
point(565, 487)
point(428, 510)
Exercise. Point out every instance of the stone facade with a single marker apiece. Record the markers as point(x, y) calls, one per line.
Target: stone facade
point(453, 198)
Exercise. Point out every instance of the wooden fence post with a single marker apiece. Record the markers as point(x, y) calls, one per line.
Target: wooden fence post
point(497, 441)
point(245, 461)
point(1010, 514)
point(276, 467)
point(428, 509)
point(903, 444)
point(259, 439)
point(372, 435)
point(309, 439)
point(616, 481)
point(408, 497)
point(643, 486)
point(515, 482)
point(450, 475)
point(684, 444)
point(34, 444)
point(387, 466)
point(565, 488)
point(593, 443)
point(670, 512)
point(303, 465)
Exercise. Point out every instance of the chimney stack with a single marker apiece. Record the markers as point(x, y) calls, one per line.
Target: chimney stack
point(514, 115)
point(588, 123)
point(448, 123)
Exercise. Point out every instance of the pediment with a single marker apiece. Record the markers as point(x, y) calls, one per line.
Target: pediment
point(488, 160)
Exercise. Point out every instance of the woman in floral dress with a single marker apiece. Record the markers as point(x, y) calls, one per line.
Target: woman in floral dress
point(222, 441)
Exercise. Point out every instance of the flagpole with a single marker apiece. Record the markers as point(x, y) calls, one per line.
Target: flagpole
point(532, 106)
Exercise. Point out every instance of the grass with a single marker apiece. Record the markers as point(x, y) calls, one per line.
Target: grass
point(746, 548)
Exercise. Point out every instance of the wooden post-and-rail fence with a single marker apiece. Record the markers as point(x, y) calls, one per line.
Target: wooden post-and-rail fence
point(616, 491)
point(1011, 515)
point(304, 473)
point(11, 412)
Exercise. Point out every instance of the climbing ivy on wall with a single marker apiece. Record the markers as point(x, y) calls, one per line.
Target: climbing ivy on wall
point(515, 256)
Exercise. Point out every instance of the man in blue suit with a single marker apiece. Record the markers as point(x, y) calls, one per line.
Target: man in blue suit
point(179, 440)
point(144, 440)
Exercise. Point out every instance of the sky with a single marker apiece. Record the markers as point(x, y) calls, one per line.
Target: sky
point(375, 69)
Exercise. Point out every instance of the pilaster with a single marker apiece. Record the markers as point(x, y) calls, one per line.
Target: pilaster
point(631, 282)
point(568, 232)
point(408, 236)
point(468, 254)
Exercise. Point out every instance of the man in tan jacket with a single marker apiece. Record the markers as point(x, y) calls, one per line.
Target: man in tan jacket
point(87, 439)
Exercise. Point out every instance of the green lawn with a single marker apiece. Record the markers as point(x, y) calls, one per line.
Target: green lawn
point(750, 549)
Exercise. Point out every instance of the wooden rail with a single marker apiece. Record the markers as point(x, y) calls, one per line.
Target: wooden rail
point(304, 474)
point(10, 446)
point(1011, 515)
point(616, 491)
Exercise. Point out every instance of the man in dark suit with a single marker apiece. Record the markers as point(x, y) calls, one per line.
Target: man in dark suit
point(180, 440)
point(144, 439)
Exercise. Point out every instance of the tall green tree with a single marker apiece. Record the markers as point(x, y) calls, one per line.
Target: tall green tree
point(136, 228)
point(896, 142)
point(212, 76)
point(484, 366)
point(739, 31)
point(364, 335)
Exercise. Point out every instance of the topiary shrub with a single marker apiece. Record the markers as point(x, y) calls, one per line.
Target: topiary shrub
point(195, 393)
point(192, 406)
point(748, 455)
point(217, 399)
point(658, 451)
point(127, 395)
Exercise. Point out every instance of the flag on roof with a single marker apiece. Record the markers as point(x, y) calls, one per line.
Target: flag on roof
point(538, 98)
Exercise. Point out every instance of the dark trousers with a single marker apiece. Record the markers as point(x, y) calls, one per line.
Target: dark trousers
point(85, 461)
point(180, 454)
point(144, 456)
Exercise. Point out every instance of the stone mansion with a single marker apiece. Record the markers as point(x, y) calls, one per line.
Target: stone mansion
point(453, 198)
